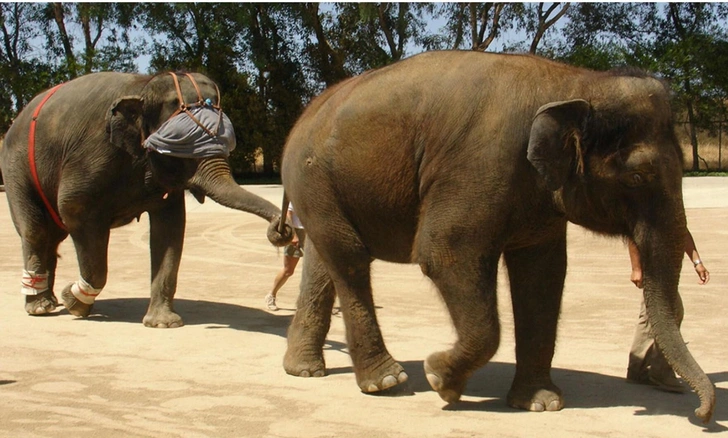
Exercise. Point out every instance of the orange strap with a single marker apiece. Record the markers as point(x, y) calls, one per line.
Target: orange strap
point(194, 82)
point(183, 107)
point(31, 159)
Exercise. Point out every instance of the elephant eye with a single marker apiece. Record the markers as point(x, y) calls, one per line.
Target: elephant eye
point(636, 178)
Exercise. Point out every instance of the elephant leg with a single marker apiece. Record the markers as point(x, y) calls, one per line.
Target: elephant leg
point(92, 243)
point(307, 333)
point(348, 263)
point(38, 276)
point(39, 240)
point(166, 239)
point(468, 287)
point(537, 280)
point(374, 367)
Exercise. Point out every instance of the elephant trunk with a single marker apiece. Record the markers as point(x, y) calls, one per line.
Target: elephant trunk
point(661, 257)
point(214, 179)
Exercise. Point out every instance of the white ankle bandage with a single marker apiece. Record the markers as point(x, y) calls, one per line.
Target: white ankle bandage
point(84, 292)
point(34, 283)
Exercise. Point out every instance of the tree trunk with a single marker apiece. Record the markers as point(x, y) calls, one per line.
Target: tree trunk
point(59, 16)
point(691, 126)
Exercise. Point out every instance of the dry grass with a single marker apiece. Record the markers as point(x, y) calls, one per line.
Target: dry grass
point(712, 150)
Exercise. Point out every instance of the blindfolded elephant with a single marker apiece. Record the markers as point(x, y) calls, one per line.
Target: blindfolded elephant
point(451, 160)
point(97, 152)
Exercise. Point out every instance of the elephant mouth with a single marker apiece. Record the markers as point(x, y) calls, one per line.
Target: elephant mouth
point(165, 174)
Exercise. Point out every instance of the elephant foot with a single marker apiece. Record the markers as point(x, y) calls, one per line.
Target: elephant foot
point(440, 375)
point(73, 305)
point(383, 377)
point(41, 304)
point(162, 318)
point(304, 365)
point(536, 398)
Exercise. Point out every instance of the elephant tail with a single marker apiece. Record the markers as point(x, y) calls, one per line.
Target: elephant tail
point(280, 233)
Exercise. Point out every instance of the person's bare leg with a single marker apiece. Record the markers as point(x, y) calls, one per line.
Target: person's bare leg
point(289, 267)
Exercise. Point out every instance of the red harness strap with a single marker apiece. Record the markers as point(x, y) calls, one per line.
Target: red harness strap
point(31, 159)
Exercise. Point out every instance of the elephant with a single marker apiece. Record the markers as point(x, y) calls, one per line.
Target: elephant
point(452, 160)
point(78, 160)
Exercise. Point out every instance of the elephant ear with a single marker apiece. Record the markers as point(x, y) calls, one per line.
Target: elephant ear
point(555, 128)
point(124, 123)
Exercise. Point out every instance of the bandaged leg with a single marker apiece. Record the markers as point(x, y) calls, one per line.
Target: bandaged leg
point(84, 292)
point(34, 283)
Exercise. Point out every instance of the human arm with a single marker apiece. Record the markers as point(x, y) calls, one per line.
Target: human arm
point(634, 259)
point(692, 252)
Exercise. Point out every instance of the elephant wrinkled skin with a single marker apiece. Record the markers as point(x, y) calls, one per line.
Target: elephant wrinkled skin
point(451, 160)
point(96, 175)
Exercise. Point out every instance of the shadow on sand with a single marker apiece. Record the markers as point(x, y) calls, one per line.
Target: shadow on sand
point(581, 389)
point(198, 312)
point(193, 312)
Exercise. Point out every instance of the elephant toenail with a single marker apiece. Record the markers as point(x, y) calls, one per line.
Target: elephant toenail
point(536, 407)
point(305, 373)
point(435, 381)
point(402, 377)
point(319, 373)
point(372, 388)
point(388, 382)
point(555, 405)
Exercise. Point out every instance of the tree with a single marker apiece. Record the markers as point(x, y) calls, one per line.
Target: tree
point(23, 73)
point(482, 21)
point(325, 58)
point(252, 51)
point(103, 29)
point(542, 20)
point(686, 35)
point(282, 90)
point(376, 34)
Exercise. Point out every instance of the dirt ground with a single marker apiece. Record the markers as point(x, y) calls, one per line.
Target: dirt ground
point(221, 376)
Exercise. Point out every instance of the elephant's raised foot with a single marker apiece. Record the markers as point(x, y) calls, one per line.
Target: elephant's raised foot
point(164, 318)
point(449, 385)
point(536, 398)
point(383, 377)
point(41, 304)
point(73, 305)
point(300, 365)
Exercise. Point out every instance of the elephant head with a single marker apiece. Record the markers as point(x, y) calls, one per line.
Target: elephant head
point(133, 118)
point(615, 167)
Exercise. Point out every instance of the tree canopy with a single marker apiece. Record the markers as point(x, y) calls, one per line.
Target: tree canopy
point(270, 59)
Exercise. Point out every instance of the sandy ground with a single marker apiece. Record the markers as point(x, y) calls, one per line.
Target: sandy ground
point(221, 376)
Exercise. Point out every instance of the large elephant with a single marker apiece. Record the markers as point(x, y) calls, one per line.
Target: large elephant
point(74, 163)
point(453, 159)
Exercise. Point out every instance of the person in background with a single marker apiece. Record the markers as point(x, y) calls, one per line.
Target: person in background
point(291, 254)
point(647, 365)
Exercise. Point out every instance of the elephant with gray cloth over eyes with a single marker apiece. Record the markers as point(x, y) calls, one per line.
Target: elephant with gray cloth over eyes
point(74, 164)
point(451, 160)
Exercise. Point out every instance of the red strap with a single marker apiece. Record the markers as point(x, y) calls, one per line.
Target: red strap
point(31, 159)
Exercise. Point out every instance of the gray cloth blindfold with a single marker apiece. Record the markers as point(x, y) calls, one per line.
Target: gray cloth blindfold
point(182, 137)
